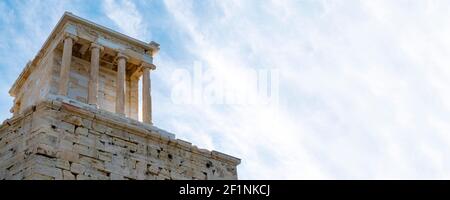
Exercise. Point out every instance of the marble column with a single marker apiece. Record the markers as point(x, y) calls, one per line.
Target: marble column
point(146, 93)
point(120, 83)
point(133, 96)
point(93, 74)
point(64, 75)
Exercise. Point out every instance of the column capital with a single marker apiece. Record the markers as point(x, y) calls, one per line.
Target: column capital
point(122, 55)
point(71, 36)
point(150, 66)
point(95, 45)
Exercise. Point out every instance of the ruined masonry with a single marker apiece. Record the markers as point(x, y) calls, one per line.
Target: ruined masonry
point(76, 114)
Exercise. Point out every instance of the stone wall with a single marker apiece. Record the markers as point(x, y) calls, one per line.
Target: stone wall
point(37, 85)
point(65, 139)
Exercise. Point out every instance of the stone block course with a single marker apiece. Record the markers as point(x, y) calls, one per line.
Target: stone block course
point(60, 147)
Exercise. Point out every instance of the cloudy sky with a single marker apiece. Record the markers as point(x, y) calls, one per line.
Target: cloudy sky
point(363, 88)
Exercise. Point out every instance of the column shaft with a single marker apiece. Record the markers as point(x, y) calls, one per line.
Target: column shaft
point(134, 98)
point(65, 67)
point(146, 96)
point(93, 75)
point(120, 86)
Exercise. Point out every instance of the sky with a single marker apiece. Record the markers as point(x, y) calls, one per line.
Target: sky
point(358, 89)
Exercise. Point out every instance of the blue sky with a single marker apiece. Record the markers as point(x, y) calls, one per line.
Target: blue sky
point(363, 93)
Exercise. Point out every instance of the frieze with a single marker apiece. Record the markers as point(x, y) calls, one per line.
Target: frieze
point(99, 36)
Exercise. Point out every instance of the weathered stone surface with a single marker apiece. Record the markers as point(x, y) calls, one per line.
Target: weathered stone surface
point(77, 168)
point(48, 171)
point(71, 156)
point(63, 164)
point(118, 153)
point(82, 131)
point(67, 175)
point(47, 150)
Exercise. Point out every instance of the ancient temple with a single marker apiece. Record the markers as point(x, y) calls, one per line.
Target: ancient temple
point(76, 114)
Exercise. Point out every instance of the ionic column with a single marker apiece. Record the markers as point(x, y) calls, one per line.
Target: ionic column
point(120, 84)
point(146, 93)
point(93, 74)
point(65, 65)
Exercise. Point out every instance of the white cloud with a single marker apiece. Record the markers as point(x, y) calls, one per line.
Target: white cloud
point(364, 90)
point(24, 29)
point(127, 17)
